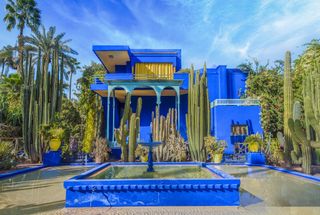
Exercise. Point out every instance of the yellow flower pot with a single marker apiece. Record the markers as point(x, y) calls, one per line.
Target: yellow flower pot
point(253, 147)
point(217, 158)
point(144, 158)
point(54, 144)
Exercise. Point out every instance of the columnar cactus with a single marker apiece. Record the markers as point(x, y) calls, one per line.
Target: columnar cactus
point(122, 132)
point(287, 94)
point(198, 116)
point(301, 135)
point(162, 127)
point(129, 126)
point(134, 131)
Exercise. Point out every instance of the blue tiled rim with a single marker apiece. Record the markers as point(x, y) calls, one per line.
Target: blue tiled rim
point(279, 169)
point(31, 169)
point(20, 171)
point(222, 191)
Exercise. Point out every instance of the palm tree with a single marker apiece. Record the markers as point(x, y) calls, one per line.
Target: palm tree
point(7, 59)
point(73, 66)
point(21, 13)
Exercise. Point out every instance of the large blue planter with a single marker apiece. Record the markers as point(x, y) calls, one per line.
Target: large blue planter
point(52, 158)
point(255, 158)
point(84, 192)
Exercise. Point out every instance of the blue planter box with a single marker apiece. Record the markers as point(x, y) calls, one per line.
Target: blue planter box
point(255, 158)
point(52, 158)
point(84, 192)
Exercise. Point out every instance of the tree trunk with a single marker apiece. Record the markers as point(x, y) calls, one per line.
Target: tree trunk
point(61, 84)
point(2, 70)
point(70, 86)
point(20, 52)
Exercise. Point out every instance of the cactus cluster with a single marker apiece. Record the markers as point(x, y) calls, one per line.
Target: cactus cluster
point(308, 134)
point(198, 116)
point(287, 113)
point(173, 147)
point(129, 127)
point(40, 97)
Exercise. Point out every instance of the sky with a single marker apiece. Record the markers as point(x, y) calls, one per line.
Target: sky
point(220, 32)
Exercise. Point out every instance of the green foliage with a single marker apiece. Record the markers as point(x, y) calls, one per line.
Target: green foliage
point(214, 146)
point(89, 135)
point(10, 103)
point(7, 157)
point(56, 133)
point(267, 86)
point(198, 116)
point(254, 142)
point(302, 66)
point(276, 153)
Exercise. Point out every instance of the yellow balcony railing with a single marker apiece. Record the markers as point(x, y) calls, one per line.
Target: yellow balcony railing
point(154, 71)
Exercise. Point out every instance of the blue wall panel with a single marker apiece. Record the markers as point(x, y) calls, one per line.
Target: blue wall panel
point(225, 116)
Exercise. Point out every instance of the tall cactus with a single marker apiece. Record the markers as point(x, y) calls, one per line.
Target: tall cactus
point(198, 116)
point(299, 136)
point(287, 113)
point(122, 132)
point(307, 137)
point(129, 126)
point(134, 131)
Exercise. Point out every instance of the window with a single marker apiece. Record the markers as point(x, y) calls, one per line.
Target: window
point(239, 130)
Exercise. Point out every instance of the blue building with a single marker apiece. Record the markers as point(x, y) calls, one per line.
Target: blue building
point(155, 75)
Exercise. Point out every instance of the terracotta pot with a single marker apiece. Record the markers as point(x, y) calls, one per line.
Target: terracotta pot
point(217, 158)
point(54, 144)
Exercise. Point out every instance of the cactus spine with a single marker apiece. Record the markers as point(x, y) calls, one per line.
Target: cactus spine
point(198, 116)
point(287, 94)
point(129, 126)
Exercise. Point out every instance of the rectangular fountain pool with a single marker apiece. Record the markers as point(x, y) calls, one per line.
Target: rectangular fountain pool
point(123, 184)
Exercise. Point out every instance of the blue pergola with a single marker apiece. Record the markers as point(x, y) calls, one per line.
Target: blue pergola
point(130, 85)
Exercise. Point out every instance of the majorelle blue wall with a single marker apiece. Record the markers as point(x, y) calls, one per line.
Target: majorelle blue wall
point(225, 83)
point(224, 116)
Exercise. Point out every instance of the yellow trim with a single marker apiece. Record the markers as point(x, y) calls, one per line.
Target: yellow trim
point(145, 71)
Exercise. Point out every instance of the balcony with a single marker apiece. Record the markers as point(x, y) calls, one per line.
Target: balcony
point(101, 79)
point(235, 102)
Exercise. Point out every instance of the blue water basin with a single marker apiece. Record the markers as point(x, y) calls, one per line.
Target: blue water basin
point(209, 186)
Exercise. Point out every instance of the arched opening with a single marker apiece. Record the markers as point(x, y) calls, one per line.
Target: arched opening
point(113, 109)
point(149, 102)
point(168, 100)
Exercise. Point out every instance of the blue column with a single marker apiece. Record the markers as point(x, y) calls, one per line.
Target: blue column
point(113, 115)
point(108, 110)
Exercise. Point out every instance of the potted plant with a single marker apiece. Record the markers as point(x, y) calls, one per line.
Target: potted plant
point(56, 135)
point(142, 152)
point(254, 143)
point(215, 148)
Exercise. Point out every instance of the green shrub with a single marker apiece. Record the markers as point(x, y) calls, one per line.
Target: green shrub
point(214, 146)
point(7, 158)
point(276, 153)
